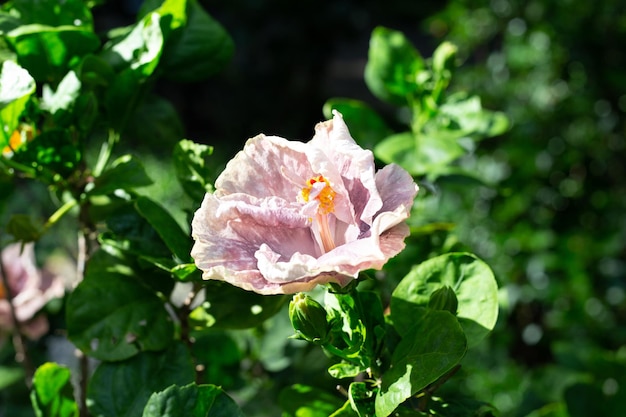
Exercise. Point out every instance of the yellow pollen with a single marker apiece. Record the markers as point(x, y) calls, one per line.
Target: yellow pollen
point(326, 197)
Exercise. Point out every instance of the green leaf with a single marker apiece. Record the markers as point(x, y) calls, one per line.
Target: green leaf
point(198, 49)
point(16, 87)
point(193, 168)
point(122, 389)
point(140, 49)
point(470, 119)
point(392, 66)
point(361, 399)
point(52, 394)
point(168, 229)
point(301, 400)
point(111, 316)
point(366, 126)
point(191, 401)
point(46, 52)
point(55, 150)
point(48, 12)
point(10, 375)
point(64, 96)
point(155, 124)
point(430, 347)
point(125, 173)
point(230, 307)
point(473, 282)
point(420, 154)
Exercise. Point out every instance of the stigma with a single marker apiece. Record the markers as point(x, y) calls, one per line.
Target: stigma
point(326, 199)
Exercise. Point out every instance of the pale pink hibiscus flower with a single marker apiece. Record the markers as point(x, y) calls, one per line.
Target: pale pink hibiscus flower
point(286, 216)
point(30, 290)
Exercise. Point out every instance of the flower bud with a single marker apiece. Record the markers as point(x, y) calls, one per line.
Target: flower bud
point(444, 56)
point(444, 299)
point(308, 318)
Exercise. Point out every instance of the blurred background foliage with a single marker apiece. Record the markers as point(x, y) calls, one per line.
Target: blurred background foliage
point(546, 210)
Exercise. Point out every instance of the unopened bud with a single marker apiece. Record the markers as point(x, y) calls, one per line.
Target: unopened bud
point(444, 56)
point(444, 299)
point(308, 318)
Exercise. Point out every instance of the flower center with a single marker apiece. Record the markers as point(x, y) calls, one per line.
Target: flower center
point(326, 199)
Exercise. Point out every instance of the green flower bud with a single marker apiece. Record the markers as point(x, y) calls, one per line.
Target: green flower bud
point(308, 318)
point(444, 56)
point(444, 299)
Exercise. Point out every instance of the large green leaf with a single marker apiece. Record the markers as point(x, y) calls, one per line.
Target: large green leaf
point(122, 389)
point(191, 401)
point(52, 394)
point(168, 229)
point(230, 307)
point(16, 87)
point(471, 279)
point(111, 316)
point(392, 66)
point(430, 347)
point(46, 52)
point(198, 49)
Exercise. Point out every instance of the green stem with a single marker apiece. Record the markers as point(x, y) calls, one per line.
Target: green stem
point(57, 215)
point(105, 152)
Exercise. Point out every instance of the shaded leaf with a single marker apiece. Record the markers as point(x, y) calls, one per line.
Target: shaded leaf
point(125, 173)
point(191, 401)
point(168, 229)
point(122, 389)
point(111, 316)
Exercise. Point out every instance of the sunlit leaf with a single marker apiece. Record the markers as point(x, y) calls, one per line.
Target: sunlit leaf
point(431, 346)
point(52, 394)
point(193, 168)
point(46, 52)
point(301, 400)
point(16, 87)
point(392, 66)
point(470, 278)
point(64, 96)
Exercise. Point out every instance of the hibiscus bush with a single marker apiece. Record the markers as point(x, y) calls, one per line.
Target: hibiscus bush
point(302, 278)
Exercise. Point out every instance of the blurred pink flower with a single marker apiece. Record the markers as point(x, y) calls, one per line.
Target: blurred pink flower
point(286, 216)
point(30, 289)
